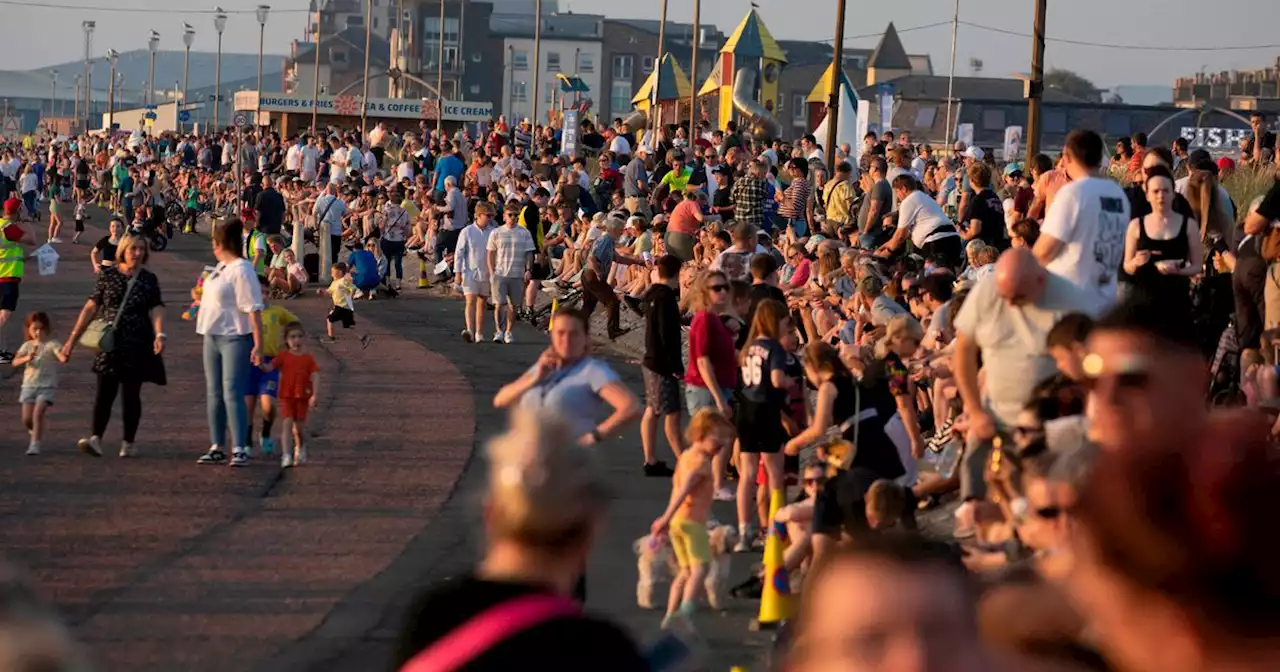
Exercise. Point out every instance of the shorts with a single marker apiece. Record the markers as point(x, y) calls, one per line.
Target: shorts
point(9, 295)
point(507, 290)
point(661, 392)
point(263, 383)
point(82, 185)
point(31, 395)
point(697, 398)
point(790, 469)
point(690, 542)
point(344, 315)
point(475, 288)
point(759, 427)
point(79, 226)
point(295, 409)
point(540, 271)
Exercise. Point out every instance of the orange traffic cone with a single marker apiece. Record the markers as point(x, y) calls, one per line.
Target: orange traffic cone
point(775, 600)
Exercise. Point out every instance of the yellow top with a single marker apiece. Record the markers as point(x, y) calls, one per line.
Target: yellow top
point(274, 320)
point(341, 290)
point(838, 196)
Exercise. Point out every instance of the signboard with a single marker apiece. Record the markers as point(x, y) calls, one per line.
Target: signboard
point(569, 133)
point(1213, 138)
point(241, 119)
point(1012, 142)
point(864, 121)
point(390, 108)
point(886, 107)
point(184, 116)
point(964, 133)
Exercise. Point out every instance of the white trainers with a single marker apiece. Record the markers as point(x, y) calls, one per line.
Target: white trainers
point(299, 455)
point(506, 338)
point(127, 449)
point(497, 337)
point(90, 446)
point(286, 460)
point(34, 448)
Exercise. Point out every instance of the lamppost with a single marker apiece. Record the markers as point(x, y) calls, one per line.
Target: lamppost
point(188, 38)
point(368, 45)
point(219, 24)
point(88, 27)
point(262, 12)
point(537, 64)
point(153, 45)
point(76, 108)
point(837, 90)
point(112, 55)
point(693, 72)
point(315, 81)
point(53, 94)
point(440, 72)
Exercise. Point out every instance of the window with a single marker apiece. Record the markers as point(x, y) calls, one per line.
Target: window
point(622, 70)
point(475, 58)
point(519, 92)
point(450, 59)
point(431, 30)
point(993, 120)
point(586, 62)
point(620, 98)
point(549, 92)
point(1055, 121)
point(475, 89)
point(646, 65)
point(519, 60)
point(375, 22)
point(338, 57)
point(553, 61)
point(799, 110)
point(1118, 125)
point(925, 117)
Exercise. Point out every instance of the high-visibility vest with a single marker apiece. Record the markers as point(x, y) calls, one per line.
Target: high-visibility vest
point(11, 254)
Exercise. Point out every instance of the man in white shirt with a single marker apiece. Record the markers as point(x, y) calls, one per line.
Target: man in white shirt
point(919, 216)
point(371, 164)
point(1082, 238)
point(293, 156)
point(337, 163)
point(309, 162)
point(620, 146)
point(355, 158)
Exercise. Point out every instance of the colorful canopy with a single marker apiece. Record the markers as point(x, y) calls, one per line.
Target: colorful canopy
point(673, 84)
point(822, 90)
point(752, 40)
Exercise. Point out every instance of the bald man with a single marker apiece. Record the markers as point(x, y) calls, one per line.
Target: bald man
point(1006, 318)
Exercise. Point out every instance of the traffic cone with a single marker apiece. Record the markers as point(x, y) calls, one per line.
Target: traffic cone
point(775, 600)
point(555, 305)
point(422, 274)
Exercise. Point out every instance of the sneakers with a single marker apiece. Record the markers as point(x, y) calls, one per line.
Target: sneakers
point(506, 338)
point(479, 338)
point(497, 337)
point(746, 539)
point(300, 455)
point(286, 460)
point(214, 456)
point(239, 458)
point(268, 445)
point(90, 446)
point(634, 304)
point(34, 448)
point(127, 449)
point(467, 336)
point(725, 495)
point(658, 469)
point(5, 357)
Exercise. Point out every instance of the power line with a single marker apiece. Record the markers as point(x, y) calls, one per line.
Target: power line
point(881, 33)
point(147, 10)
point(1125, 47)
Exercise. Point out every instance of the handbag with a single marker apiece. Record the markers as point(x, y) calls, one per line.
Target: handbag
point(100, 335)
point(488, 628)
point(1270, 246)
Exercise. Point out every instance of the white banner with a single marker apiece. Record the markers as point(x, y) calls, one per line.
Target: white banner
point(964, 133)
point(1012, 143)
point(569, 133)
point(864, 118)
point(349, 105)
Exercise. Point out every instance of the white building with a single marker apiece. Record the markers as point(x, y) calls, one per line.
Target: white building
point(570, 45)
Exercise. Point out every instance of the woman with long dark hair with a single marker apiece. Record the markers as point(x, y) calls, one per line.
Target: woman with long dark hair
point(759, 414)
point(230, 320)
point(1162, 249)
point(128, 295)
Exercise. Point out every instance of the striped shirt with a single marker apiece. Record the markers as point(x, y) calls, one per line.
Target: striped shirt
point(795, 200)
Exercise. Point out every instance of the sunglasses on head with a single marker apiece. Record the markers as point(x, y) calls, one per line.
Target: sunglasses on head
point(1132, 373)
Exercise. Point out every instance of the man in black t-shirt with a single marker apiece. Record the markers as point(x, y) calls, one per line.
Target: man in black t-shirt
point(270, 206)
point(983, 215)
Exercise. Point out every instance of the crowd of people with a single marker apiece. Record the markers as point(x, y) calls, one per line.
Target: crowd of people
point(1044, 346)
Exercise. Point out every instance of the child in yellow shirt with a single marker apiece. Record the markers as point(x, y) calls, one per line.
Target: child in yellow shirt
point(342, 291)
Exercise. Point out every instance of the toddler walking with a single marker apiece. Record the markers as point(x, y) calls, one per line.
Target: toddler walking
point(342, 291)
point(42, 357)
point(299, 382)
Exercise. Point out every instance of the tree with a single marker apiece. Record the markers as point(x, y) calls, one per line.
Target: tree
point(1072, 84)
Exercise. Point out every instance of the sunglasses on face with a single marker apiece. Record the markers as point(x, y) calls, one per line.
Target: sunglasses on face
point(1049, 512)
point(717, 288)
point(819, 480)
point(1131, 373)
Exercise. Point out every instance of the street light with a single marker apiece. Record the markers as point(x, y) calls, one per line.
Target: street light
point(315, 81)
point(88, 27)
point(53, 95)
point(188, 38)
point(219, 24)
point(368, 40)
point(262, 12)
point(153, 45)
point(112, 55)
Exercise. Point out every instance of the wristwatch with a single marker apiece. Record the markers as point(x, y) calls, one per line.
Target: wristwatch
point(162, 336)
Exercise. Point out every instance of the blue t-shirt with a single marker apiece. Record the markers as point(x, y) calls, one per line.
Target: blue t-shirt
point(365, 269)
point(449, 166)
point(573, 393)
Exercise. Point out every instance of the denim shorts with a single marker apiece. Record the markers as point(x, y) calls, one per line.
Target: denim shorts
point(697, 398)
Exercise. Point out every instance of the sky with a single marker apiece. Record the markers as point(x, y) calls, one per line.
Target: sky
point(1197, 30)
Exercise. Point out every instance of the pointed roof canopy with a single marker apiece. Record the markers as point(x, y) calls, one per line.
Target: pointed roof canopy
point(889, 54)
point(752, 40)
point(674, 85)
point(822, 90)
point(713, 81)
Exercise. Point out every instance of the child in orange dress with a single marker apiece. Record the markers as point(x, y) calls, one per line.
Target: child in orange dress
point(299, 383)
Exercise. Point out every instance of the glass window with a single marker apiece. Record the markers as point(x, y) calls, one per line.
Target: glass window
point(799, 110)
point(925, 117)
point(475, 89)
point(646, 64)
point(993, 120)
point(431, 29)
point(620, 98)
point(549, 92)
point(1055, 121)
point(622, 70)
point(451, 26)
point(519, 60)
point(519, 92)
point(586, 62)
point(1118, 124)
point(553, 61)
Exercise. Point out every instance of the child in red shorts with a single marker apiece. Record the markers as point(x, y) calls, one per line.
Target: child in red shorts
point(299, 382)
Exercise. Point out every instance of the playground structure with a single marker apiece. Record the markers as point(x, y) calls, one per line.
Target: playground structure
point(744, 80)
point(670, 105)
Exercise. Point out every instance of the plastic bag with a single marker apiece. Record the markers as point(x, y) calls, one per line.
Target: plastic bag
point(46, 259)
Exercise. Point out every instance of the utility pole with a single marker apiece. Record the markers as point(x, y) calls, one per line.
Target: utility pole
point(153, 45)
point(88, 27)
point(537, 62)
point(1035, 87)
point(53, 95)
point(693, 72)
point(837, 90)
point(951, 78)
point(261, 12)
point(219, 24)
point(112, 55)
point(188, 38)
point(440, 75)
point(654, 112)
point(368, 46)
point(315, 79)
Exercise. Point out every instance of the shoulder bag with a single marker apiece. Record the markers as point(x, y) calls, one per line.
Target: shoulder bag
point(100, 335)
point(1270, 245)
point(488, 628)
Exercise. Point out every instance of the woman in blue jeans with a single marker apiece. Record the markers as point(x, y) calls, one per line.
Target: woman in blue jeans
point(230, 320)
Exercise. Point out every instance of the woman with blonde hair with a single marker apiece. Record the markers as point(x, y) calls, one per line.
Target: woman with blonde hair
point(543, 505)
point(901, 340)
point(128, 296)
point(713, 364)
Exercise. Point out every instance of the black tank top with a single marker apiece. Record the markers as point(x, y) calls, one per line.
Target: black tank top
point(873, 448)
point(1148, 280)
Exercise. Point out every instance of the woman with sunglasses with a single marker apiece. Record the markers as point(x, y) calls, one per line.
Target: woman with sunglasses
point(713, 371)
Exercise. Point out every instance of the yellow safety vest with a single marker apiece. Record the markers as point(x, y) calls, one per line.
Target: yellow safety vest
point(11, 254)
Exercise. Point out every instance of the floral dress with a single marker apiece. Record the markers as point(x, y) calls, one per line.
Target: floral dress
point(135, 336)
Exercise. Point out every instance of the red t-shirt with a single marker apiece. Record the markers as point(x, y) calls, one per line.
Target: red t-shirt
point(684, 219)
point(708, 337)
point(295, 374)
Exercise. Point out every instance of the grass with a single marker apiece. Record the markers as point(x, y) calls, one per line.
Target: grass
point(1246, 185)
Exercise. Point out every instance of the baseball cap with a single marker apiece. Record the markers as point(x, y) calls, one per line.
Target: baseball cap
point(12, 205)
point(642, 149)
point(1012, 169)
point(975, 153)
point(722, 169)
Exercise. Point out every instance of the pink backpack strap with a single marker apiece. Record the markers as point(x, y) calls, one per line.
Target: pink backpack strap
point(486, 629)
